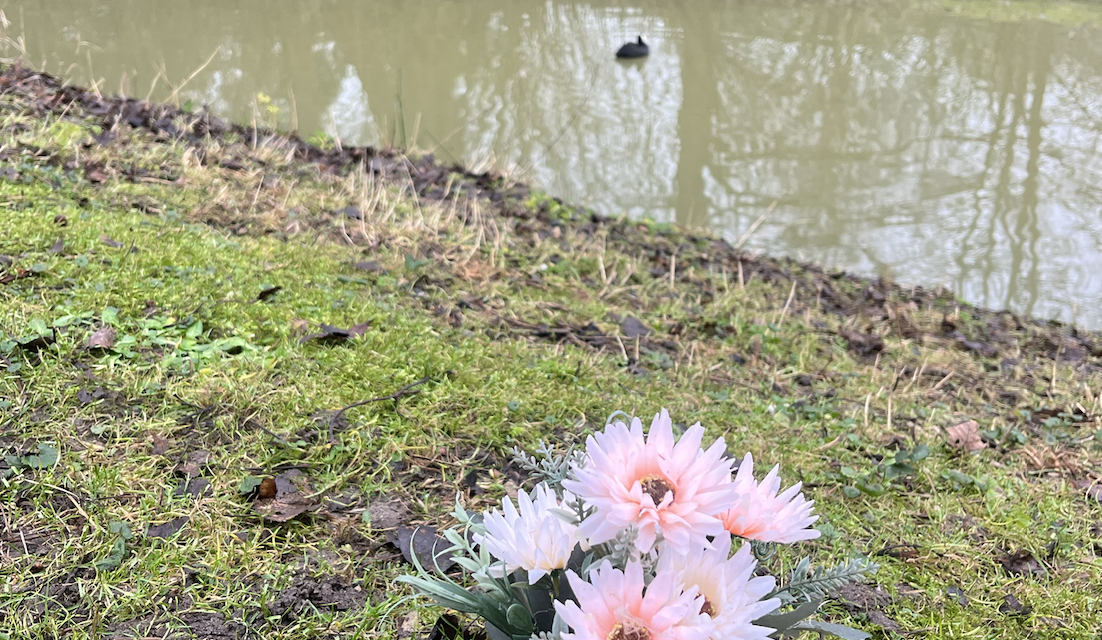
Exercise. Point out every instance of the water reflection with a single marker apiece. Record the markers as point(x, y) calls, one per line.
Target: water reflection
point(892, 137)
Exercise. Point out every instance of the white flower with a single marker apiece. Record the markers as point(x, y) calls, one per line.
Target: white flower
point(761, 514)
point(654, 484)
point(732, 596)
point(615, 605)
point(535, 538)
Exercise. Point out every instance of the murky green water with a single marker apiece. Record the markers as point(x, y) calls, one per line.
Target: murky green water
point(881, 137)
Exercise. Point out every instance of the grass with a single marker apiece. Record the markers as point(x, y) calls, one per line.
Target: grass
point(514, 308)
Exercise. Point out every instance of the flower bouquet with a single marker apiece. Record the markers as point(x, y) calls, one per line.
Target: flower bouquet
point(631, 539)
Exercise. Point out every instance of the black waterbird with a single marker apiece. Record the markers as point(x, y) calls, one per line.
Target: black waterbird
point(637, 49)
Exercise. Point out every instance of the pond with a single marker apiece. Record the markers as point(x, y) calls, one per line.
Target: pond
point(938, 143)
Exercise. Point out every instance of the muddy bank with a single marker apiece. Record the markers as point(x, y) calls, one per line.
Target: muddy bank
point(877, 308)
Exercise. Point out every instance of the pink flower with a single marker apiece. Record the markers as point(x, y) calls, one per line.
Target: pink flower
point(657, 486)
point(614, 606)
point(761, 514)
point(732, 596)
point(535, 539)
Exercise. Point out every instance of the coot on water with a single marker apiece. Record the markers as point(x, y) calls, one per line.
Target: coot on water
point(637, 49)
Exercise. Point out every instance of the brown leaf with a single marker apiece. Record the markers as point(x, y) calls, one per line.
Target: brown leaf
point(102, 339)
point(1022, 563)
point(634, 328)
point(58, 246)
point(965, 436)
point(267, 294)
point(864, 344)
point(334, 335)
point(1092, 489)
point(1011, 606)
point(431, 549)
point(371, 266)
point(166, 529)
point(161, 444)
point(194, 487)
point(110, 242)
point(290, 500)
point(94, 174)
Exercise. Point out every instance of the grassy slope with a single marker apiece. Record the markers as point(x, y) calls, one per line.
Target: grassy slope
point(488, 295)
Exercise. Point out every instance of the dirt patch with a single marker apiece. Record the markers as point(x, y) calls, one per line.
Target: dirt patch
point(188, 625)
point(307, 593)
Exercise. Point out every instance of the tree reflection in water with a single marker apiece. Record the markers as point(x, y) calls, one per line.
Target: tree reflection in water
point(893, 138)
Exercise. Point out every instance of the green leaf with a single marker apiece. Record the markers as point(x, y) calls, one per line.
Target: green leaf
point(351, 280)
point(38, 326)
point(45, 458)
point(851, 492)
point(250, 483)
point(920, 452)
point(121, 528)
point(195, 330)
point(849, 472)
point(110, 316)
point(830, 628)
point(784, 621)
point(958, 477)
point(413, 263)
point(114, 558)
point(874, 489)
point(40, 267)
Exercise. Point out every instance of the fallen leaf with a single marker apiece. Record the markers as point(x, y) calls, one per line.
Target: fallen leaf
point(864, 344)
point(1022, 563)
point(371, 266)
point(160, 445)
point(103, 339)
point(334, 335)
point(61, 220)
point(431, 549)
point(407, 625)
point(267, 294)
point(94, 174)
point(965, 436)
point(166, 529)
point(58, 246)
point(37, 343)
point(1011, 606)
point(84, 396)
point(110, 242)
point(289, 500)
point(634, 328)
point(194, 487)
point(352, 212)
point(1092, 489)
point(956, 593)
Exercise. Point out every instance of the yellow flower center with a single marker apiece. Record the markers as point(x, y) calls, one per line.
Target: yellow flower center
point(708, 608)
point(656, 487)
point(632, 631)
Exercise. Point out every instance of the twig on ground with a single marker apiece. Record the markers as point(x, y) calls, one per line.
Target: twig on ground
point(407, 390)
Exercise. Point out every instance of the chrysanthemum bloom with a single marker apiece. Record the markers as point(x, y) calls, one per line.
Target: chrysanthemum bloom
point(732, 597)
point(761, 514)
point(534, 539)
point(676, 490)
point(614, 606)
